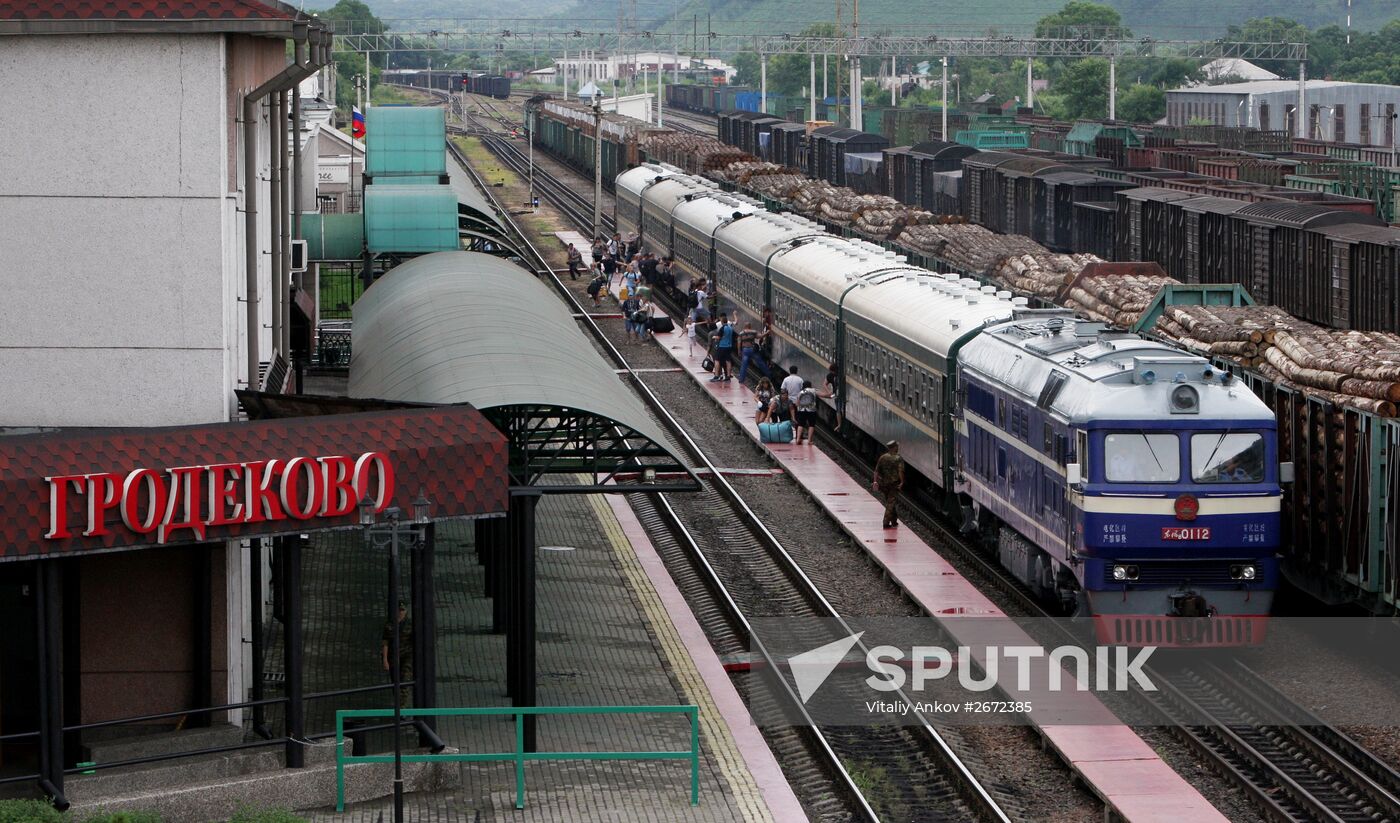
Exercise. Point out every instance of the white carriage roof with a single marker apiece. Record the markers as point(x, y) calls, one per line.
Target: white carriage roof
point(1109, 375)
point(829, 265)
point(932, 311)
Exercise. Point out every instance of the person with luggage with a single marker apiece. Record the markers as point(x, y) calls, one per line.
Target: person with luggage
point(889, 479)
point(595, 287)
point(648, 269)
point(763, 396)
point(630, 308)
point(806, 404)
point(575, 262)
point(642, 317)
point(780, 409)
point(725, 338)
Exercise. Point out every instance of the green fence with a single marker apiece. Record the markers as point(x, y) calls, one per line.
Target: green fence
point(519, 755)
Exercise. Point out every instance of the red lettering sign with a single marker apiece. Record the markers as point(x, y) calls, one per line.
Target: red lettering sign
point(221, 494)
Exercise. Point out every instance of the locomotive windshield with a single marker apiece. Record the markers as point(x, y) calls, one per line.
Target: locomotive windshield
point(1140, 457)
point(1227, 457)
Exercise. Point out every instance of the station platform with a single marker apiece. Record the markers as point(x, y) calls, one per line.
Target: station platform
point(1110, 759)
point(613, 630)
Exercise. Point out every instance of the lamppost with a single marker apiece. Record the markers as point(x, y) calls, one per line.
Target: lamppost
point(597, 164)
point(383, 536)
point(1394, 118)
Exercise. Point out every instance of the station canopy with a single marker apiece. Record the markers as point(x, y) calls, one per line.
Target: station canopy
point(467, 327)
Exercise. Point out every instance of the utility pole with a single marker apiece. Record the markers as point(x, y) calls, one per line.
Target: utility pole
point(1112, 88)
point(762, 83)
point(812, 87)
point(945, 98)
point(857, 101)
point(1030, 86)
point(597, 164)
point(386, 57)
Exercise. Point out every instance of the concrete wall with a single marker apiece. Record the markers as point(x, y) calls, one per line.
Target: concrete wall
point(121, 229)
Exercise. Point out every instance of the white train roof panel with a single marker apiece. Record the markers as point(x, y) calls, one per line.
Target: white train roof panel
point(1109, 375)
point(932, 311)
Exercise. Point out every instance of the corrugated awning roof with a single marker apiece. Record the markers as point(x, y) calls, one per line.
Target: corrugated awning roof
point(466, 327)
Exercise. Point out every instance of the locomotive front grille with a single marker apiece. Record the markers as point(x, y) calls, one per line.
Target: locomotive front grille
point(1182, 631)
point(1175, 573)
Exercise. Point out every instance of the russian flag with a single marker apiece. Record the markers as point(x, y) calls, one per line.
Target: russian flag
point(357, 123)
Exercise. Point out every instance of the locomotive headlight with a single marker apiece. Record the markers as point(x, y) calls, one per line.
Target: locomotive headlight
point(1185, 400)
point(1243, 571)
point(1124, 573)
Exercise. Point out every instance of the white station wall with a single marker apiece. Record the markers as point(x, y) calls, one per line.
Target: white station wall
point(120, 243)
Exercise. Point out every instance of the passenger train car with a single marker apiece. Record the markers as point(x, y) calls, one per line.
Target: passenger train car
point(1126, 479)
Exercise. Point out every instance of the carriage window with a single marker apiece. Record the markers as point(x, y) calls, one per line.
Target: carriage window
point(1227, 457)
point(1138, 457)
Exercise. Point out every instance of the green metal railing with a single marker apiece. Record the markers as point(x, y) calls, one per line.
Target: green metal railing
point(519, 755)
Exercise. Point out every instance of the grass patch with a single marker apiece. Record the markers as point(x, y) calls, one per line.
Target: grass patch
point(390, 96)
point(491, 170)
point(28, 811)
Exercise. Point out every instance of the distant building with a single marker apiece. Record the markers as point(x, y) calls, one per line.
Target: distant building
point(1231, 69)
point(1339, 112)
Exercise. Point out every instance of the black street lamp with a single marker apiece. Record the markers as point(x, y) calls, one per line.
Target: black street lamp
point(387, 536)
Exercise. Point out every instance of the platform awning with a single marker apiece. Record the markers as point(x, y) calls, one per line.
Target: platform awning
point(466, 327)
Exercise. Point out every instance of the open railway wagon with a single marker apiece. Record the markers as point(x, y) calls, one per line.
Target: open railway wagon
point(565, 129)
point(488, 85)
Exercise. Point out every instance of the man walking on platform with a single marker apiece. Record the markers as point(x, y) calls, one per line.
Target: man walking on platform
point(889, 479)
point(405, 662)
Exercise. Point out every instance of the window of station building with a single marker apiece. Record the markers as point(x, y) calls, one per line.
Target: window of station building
point(1364, 125)
point(1227, 457)
point(1141, 457)
point(1290, 120)
point(1390, 124)
point(1339, 123)
point(1263, 116)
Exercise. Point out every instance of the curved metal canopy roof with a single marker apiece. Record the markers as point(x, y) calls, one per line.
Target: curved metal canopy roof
point(467, 327)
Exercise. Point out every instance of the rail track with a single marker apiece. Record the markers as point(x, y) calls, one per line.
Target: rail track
point(1294, 767)
point(741, 569)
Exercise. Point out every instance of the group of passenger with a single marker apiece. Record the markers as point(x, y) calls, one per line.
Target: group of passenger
point(794, 400)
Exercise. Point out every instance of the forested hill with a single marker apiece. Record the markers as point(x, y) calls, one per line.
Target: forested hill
point(1184, 18)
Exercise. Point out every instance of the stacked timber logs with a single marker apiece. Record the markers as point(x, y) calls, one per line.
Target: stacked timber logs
point(695, 153)
point(1119, 299)
point(745, 172)
point(967, 247)
point(1042, 273)
point(1349, 368)
point(778, 186)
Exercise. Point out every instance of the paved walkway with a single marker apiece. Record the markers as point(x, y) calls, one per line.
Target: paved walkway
point(604, 638)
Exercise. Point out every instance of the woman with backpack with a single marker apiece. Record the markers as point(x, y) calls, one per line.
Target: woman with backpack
point(806, 412)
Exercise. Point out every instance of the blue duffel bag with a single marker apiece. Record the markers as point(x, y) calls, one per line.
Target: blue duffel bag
point(775, 432)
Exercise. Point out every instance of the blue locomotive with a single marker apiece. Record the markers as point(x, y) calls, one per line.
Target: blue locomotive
point(1138, 483)
point(1125, 478)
